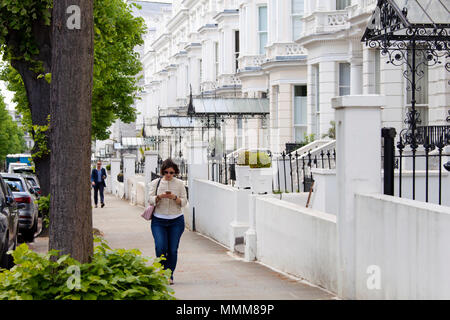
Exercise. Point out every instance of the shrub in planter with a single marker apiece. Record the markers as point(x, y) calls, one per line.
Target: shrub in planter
point(120, 177)
point(108, 167)
point(242, 170)
point(260, 172)
point(112, 275)
point(259, 160)
point(243, 158)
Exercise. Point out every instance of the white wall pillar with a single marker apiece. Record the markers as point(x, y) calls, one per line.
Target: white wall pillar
point(197, 169)
point(250, 234)
point(151, 165)
point(115, 170)
point(358, 170)
point(129, 170)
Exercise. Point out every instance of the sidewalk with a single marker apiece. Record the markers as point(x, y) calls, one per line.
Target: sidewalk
point(205, 269)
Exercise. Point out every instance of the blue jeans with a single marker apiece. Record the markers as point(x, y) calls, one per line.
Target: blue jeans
point(167, 234)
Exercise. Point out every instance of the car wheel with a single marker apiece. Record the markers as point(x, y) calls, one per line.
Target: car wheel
point(4, 257)
point(28, 235)
point(10, 258)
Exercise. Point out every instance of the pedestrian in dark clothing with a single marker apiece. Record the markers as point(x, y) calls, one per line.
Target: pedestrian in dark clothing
point(98, 176)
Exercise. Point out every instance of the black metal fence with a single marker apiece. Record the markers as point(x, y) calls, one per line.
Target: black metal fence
point(139, 167)
point(418, 165)
point(292, 171)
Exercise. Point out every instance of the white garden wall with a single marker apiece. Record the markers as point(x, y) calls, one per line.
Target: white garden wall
point(297, 240)
point(407, 242)
point(215, 206)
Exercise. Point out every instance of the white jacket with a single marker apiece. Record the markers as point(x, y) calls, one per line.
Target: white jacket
point(168, 206)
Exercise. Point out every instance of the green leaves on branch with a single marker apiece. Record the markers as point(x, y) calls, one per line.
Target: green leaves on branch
point(112, 275)
point(16, 26)
point(116, 65)
point(41, 140)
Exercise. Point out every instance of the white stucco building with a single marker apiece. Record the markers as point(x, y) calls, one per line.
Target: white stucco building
point(298, 54)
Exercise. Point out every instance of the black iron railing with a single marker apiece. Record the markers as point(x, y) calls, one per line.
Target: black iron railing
point(426, 157)
point(292, 171)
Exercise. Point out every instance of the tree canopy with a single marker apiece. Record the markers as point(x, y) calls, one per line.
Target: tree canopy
point(11, 136)
point(116, 64)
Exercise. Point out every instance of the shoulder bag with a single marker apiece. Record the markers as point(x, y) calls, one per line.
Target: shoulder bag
point(148, 213)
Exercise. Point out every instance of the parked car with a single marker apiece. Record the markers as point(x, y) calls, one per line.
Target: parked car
point(9, 224)
point(22, 169)
point(34, 182)
point(26, 197)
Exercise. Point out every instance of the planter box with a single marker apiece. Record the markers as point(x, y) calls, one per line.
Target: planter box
point(242, 177)
point(261, 180)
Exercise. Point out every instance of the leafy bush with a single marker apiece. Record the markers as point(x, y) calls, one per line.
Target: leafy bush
point(260, 160)
point(243, 158)
point(44, 208)
point(108, 167)
point(112, 275)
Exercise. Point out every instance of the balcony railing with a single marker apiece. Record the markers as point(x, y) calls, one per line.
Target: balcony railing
point(252, 61)
point(325, 22)
point(229, 80)
point(285, 49)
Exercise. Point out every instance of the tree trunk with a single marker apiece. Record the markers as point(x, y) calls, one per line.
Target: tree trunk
point(71, 104)
point(38, 93)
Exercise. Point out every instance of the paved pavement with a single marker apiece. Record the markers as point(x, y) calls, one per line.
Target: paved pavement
point(205, 269)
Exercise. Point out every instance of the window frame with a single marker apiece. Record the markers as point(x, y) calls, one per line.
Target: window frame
point(301, 126)
point(262, 32)
point(295, 16)
point(340, 86)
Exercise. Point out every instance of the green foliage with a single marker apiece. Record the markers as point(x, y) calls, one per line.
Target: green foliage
point(108, 167)
point(331, 131)
point(11, 136)
point(259, 160)
point(243, 158)
point(15, 84)
point(116, 64)
point(18, 17)
point(44, 207)
point(307, 139)
point(112, 275)
point(41, 140)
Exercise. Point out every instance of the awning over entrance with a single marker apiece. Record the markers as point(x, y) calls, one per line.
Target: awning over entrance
point(409, 20)
point(203, 107)
point(176, 122)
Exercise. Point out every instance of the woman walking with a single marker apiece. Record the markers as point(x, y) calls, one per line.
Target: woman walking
point(168, 195)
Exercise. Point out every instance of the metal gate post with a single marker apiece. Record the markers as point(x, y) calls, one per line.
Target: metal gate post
point(389, 159)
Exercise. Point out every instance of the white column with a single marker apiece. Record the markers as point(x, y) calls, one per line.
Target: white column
point(115, 170)
point(151, 165)
point(129, 170)
point(228, 51)
point(357, 171)
point(356, 68)
point(197, 169)
point(356, 76)
point(368, 71)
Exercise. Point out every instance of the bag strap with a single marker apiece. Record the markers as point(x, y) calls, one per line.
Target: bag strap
point(157, 186)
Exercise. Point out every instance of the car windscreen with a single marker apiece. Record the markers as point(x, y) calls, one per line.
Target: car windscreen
point(15, 184)
point(32, 182)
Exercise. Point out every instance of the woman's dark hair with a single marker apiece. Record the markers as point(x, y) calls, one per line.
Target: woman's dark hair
point(168, 163)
